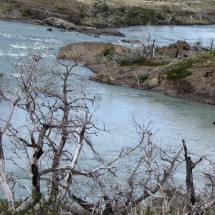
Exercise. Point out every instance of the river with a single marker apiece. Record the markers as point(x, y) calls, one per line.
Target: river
point(171, 119)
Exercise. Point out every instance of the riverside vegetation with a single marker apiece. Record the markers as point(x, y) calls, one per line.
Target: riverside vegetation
point(178, 70)
point(49, 149)
point(59, 122)
point(106, 13)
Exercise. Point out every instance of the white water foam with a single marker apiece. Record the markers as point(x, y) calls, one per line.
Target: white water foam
point(52, 41)
point(16, 75)
point(18, 46)
point(6, 35)
point(22, 54)
point(38, 46)
point(35, 39)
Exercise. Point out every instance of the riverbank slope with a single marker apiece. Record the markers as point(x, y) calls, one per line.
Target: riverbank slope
point(111, 13)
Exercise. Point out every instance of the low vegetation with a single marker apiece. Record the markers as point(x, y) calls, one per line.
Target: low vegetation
point(102, 13)
point(183, 68)
point(180, 70)
point(143, 62)
point(56, 136)
point(108, 51)
point(142, 78)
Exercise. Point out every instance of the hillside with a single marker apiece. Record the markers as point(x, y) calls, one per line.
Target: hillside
point(104, 13)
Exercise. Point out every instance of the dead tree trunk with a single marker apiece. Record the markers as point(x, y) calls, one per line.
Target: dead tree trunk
point(190, 165)
point(3, 179)
point(211, 47)
point(107, 207)
point(35, 172)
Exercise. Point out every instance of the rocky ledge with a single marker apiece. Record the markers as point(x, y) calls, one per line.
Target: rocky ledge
point(178, 70)
point(60, 23)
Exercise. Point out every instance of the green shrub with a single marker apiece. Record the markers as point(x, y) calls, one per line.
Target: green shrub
point(208, 55)
point(139, 15)
point(142, 78)
point(181, 70)
point(108, 51)
point(9, 6)
point(60, 7)
point(142, 62)
point(26, 12)
point(101, 7)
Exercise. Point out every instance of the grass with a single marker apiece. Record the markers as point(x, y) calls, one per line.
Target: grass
point(183, 69)
point(9, 6)
point(120, 12)
point(143, 62)
point(26, 12)
point(180, 70)
point(61, 7)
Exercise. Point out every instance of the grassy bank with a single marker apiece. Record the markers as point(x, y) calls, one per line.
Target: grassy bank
point(102, 13)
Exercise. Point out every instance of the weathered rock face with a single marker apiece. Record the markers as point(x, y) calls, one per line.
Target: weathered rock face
point(182, 45)
point(96, 31)
point(89, 52)
point(131, 41)
point(60, 23)
point(180, 49)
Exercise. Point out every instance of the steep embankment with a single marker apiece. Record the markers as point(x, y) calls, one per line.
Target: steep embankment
point(191, 75)
point(108, 13)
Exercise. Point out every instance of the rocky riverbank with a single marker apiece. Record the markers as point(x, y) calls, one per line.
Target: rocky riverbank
point(177, 70)
point(24, 11)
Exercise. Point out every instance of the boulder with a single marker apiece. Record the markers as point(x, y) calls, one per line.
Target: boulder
point(182, 45)
point(130, 41)
point(60, 23)
point(89, 52)
point(111, 32)
point(96, 31)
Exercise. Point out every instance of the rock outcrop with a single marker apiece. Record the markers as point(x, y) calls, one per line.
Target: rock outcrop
point(89, 52)
point(60, 23)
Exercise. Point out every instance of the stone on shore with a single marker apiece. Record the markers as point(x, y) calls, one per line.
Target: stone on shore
point(88, 52)
point(60, 23)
